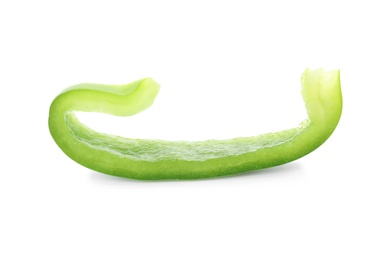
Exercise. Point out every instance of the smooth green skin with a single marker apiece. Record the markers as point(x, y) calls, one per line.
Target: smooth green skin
point(158, 159)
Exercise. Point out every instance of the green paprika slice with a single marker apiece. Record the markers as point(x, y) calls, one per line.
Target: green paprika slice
point(159, 159)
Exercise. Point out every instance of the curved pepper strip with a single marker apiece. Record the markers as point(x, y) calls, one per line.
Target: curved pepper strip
point(158, 159)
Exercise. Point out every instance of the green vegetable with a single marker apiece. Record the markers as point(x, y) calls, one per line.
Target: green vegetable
point(158, 159)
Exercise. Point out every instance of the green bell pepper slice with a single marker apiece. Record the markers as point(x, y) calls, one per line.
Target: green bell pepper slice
point(148, 159)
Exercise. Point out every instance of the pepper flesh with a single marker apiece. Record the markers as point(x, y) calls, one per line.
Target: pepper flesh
point(158, 159)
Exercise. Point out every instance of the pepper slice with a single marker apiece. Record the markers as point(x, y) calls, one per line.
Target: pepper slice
point(158, 159)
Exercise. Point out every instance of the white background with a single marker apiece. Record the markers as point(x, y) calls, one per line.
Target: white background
point(226, 69)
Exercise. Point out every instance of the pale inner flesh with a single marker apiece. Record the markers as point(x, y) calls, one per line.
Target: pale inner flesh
point(158, 150)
